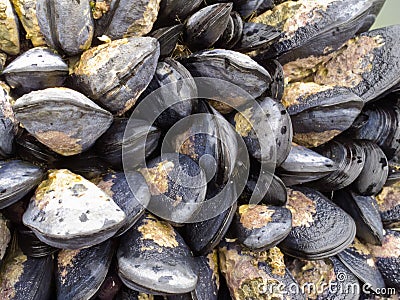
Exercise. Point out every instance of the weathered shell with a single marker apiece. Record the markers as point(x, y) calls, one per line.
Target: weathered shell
point(364, 211)
point(278, 81)
point(9, 29)
point(70, 212)
point(26, 11)
point(9, 126)
point(175, 10)
point(26, 278)
point(31, 245)
point(116, 73)
point(359, 260)
point(207, 25)
point(250, 7)
point(67, 26)
point(132, 197)
point(168, 38)
point(17, 179)
point(256, 275)
point(304, 165)
point(389, 205)
point(325, 279)
point(261, 226)
point(38, 68)
point(152, 257)
point(81, 272)
point(62, 119)
point(233, 32)
point(257, 37)
point(5, 236)
point(320, 228)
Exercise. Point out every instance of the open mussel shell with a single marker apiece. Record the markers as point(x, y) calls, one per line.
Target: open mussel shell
point(364, 211)
point(207, 25)
point(18, 178)
point(389, 206)
point(116, 73)
point(257, 36)
point(323, 275)
point(349, 158)
point(81, 272)
point(70, 212)
point(252, 275)
point(31, 245)
point(152, 257)
point(320, 113)
point(261, 227)
point(320, 228)
point(177, 185)
point(168, 38)
point(304, 165)
point(131, 198)
point(5, 236)
point(26, 278)
point(9, 126)
point(387, 258)
point(231, 66)
point(38, 68)
point(62, 119)
point(359, 260)
point(109, 145)
point(375, 172)
point(66, 26)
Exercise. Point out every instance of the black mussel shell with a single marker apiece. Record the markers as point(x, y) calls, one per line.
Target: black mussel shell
point(5, 236)
point(304, 165)
point(394, 173)
point(38, 68)
point(207, 25)
point(31, 245)
point(70, 212)
point(62, 119)
point(246, 8)
point(175, 10)
point(152, 257)
point(131, 195)
point(387, 258)
point(80, 273)
point(253, 275)
point(233, 32)
point(261, 227)
point(168, 38)
point(389, 205)
point(67, 26)
point(349, 158)
point(278, 83)
point(26, 278)
point(128, 294)
point(325, 279)
point(116, 73)
point(364, 211)
point(375, 172)
point(320, 228)
point(9, 126)
point(359, 260)
point(118, 138)
point(257, 36)
point(18, 178)
point(111, 285)
point(177, 185)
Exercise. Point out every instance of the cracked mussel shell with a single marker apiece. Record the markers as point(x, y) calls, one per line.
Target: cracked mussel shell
point(9, 127)
point(62, 119)
point(388, 201)
point(116, 73)
point(153, 258)
point(320, 229)
point(70, 212)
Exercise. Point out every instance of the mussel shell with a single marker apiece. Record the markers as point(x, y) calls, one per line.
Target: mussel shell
point(131, 198)
point(70, 212)
point(387, 258)
point(128, 294)
point(207, 25)
point(8, 129)
point(261, 227)
point(364, 211)
point(168, 38)
point(304, 165)
point(257, 36)
point(253, 275)
point(31, 245)
point(5, 236)
point(329, 279)
point(109, 146)
point(17, 179)
point(247, 8)
point(375, 172)
point(173, 10)
point(38, 68)
point(278, 83)
point(152, 257)
point(361, 263)
point(394, 173)
point(389, 206)
point(62, 119)
point(116, 73)
point(67, 26)
point(320, 228)
point(80, 273)
point(9, 29)
point(26, 278)
point(232, 33)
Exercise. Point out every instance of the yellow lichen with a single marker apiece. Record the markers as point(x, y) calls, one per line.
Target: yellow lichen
point(315, 139)
point(159, 232)
point(65, 260)
point(11, 272)
point(302, 208)
point(157, 177)
point(243, 124)
point(59, 142)
point(298, 92)
point(255, 216)
point(144, 25)
point(389, 197)
point(212, 258)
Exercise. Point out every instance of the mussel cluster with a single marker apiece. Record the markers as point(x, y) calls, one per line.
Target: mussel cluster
point(127, 128)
